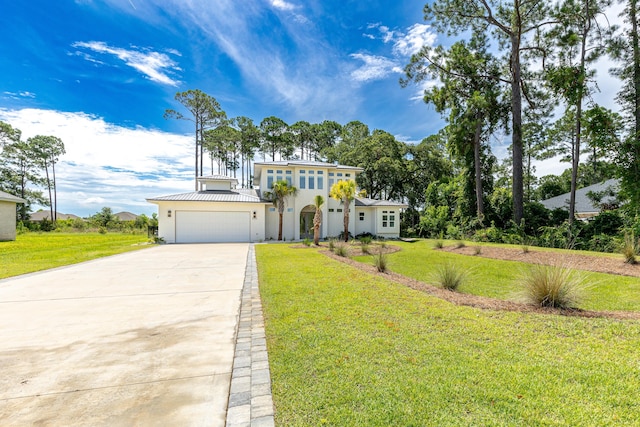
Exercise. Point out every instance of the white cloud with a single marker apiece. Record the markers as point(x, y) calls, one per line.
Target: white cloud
point(374, 68)
point(156, 66)
point(283, 5)
point(21, 94)
point(417, 36)
point(109, 165)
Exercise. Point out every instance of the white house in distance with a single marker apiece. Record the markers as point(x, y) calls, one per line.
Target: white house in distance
point(220, 212)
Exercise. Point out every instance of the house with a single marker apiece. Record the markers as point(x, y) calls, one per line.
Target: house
point(126, 216)
point(585, 207)
point(43, 214)
point(221, 212)
point(8, 204)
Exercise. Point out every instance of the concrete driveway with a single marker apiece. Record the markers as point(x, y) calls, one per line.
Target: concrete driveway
point(143, 338)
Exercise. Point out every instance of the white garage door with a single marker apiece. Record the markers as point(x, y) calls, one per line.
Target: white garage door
point(207, 227)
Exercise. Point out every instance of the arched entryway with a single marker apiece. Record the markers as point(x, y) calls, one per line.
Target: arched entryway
point(306, 222)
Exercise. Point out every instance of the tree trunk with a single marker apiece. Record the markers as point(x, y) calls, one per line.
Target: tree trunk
point(46, 168)
point(196, 156)
point(635, 138)
point(478, 169)
point(280, 226)
point(317, 220)
point(516, 108)
point(55, 191)
point(346, 220)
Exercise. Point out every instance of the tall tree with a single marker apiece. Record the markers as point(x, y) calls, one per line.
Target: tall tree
point(325, 137)
point(205, 114)
point(249, 143)
point(318, 201)
point(627, 51)
point(513, 24)
point(580, 41)
point(469, 97)
point(276, 138)
point(344, 192)
point(279, 193)
point(302, 135)
point(48, 150)
point(19, 168)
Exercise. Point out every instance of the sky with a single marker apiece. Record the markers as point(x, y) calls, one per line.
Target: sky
point(99, 74)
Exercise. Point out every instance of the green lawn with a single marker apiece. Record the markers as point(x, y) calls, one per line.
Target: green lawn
point(39, 251)
point(350, 349)
point(499, 279)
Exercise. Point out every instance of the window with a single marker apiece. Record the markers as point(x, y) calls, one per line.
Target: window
point(339, 173)
point(279, 172)
point(272, 209)
point(269, 182)
point(347, 175)
point(302, 182)
point(289, 209)
point(392, 219)
point(361, 216)
point(331, 209)
point(339, 210)
point(311, 182)
point(320, 183)
point(289, 181)
point(269, 170)
point(287, 172)
point(320, 173)
point(278, 177)
point(331, 182)
point(331, 174)
point(301, 170)
point(310, 172)
point(385, 218)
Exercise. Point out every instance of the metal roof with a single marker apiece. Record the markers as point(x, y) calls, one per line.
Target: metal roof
point(217, 178)
point(6, 197)
point(363, 201)
point(239, 195)
point(258, 166)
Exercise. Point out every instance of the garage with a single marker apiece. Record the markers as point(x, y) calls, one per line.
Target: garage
point(211, 226)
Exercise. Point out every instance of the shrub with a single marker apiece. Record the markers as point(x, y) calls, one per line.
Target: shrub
point(438, 244)
point(552, 286)
point(364, 247)
point(460, 244)
point(450, 276)
point(629, 249)
point(332, 244)
point(341, 250)
point(307, 242)
point(380, 261)
point(477, 250)
point(365, 240)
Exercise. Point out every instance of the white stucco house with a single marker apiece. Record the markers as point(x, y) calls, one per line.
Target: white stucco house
point(221, 212)
point(8, 204)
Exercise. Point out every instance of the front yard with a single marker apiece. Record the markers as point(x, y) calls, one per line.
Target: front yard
point(39, 251)
point(351, 348)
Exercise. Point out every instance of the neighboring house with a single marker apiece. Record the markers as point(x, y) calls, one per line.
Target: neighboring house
point(585, 207)
point(8, 204)
point(220, 212)
point(42, 214)
point(126, 216)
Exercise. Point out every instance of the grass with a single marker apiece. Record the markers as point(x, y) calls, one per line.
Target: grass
point(553, 286)
point(39, 251)
point(347, 348)
point(499, 279)
point(450, 276)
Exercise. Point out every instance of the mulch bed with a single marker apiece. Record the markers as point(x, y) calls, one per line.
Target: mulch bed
point(493, 303)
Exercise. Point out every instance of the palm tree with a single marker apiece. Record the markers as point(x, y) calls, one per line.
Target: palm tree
point(345, 192)
point(318, 201)
point(279, 193)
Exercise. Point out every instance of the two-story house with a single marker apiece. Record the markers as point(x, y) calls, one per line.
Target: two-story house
point(220, 212)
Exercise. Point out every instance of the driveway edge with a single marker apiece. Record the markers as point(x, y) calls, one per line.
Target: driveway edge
point(250, 400)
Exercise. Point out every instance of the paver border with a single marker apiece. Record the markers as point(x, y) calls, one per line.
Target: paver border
point(250, 401)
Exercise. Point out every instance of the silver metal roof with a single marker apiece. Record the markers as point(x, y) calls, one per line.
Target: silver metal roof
point(583, 203)
point(363, 201)
point(239, 195)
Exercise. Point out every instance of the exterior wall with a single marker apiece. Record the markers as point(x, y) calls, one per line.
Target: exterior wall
point(7, 221)
point(288, 223)
point(369, 221)
point(331, 221)
point(167, 225)
point(385, 216)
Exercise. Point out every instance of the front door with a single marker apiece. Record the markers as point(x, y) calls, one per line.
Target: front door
point(306, 222)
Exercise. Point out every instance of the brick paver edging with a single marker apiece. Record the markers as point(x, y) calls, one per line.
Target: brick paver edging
point(250, 401)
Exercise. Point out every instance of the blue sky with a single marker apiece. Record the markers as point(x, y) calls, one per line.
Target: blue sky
point(100, 73)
